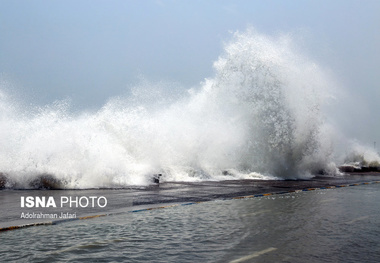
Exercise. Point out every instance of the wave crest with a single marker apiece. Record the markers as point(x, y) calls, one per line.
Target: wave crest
point(260, 116)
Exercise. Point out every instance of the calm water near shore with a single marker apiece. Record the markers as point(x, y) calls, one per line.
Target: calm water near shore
point(335, 225)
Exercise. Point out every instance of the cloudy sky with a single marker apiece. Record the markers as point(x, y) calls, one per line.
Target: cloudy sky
point(91, 50)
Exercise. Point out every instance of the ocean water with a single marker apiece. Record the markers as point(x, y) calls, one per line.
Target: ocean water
point(265, 113)
point(334, 225)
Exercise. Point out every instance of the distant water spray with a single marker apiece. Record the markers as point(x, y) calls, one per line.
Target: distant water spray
point(260, 116)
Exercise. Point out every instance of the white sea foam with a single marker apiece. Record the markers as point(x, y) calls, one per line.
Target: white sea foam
point(260, 116)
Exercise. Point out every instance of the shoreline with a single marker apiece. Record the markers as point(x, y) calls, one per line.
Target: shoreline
point(49, 182)
point(169, 194)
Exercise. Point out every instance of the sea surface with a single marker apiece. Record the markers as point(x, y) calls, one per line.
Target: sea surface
point(331, 225)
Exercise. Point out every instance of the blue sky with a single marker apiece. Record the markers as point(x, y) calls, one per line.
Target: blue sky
point(92, 50)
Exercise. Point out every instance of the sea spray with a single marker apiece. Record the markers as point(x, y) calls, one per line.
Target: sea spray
point(260, 116)
point(361, 156)
point(272, 97)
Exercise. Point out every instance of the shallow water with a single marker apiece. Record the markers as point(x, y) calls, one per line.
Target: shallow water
point(335, 225)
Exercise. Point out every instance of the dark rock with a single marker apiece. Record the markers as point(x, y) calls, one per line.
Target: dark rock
point(3, 180)
point(156, 178)
point(46, 181)
point(347, 168)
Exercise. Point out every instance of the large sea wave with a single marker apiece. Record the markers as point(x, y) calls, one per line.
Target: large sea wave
point(261, 115)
